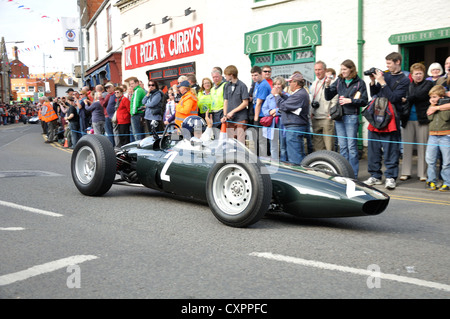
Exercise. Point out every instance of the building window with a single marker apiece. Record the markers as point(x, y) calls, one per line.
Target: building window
point(109, 28)
point(16, 89)
point(31, 89)
point(95, 41)
point(22, 89)
point(41, 89)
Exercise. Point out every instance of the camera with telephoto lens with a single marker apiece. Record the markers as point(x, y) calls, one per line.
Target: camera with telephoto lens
point(370, 71)
point(315, 104)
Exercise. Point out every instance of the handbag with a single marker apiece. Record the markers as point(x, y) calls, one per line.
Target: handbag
point(336, 112)
point(114, 117)
point(266, 121)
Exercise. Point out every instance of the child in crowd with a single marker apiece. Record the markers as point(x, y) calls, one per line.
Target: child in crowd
point(439, 140)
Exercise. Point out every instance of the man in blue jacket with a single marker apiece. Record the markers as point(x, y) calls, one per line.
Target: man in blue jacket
point(294, 115)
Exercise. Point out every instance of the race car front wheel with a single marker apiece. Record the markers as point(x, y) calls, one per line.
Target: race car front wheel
point(93, 165)
point(329, 161)
point(238, 193)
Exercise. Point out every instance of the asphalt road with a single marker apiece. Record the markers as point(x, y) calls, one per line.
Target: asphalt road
point(134, 242)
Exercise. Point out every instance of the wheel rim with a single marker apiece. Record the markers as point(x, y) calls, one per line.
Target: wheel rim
point(85, 165)
point(325, 166)
point(232, 189)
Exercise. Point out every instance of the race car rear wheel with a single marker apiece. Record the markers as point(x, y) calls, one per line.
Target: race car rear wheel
point(329, 161)
point(238, 193)
point(93, 165)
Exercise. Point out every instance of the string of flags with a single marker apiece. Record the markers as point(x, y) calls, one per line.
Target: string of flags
point(21, 6)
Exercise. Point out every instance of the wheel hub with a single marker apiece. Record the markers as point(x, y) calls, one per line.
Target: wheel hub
point(232, 188)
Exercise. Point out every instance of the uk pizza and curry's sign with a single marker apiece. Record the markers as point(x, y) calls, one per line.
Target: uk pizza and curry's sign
point(168, 47)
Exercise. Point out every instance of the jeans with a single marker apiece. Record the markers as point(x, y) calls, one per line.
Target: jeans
point(347, 132)
point(436, 143)
point(136, 127)
point(295, 147)
point(74, 132)
point(387, 146)
point(109, 130)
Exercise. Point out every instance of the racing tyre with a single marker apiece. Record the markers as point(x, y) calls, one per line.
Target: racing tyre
point(330, 162)
point(93, 165)
point(238, 193)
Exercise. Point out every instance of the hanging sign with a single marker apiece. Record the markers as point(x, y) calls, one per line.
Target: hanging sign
point(172, 46)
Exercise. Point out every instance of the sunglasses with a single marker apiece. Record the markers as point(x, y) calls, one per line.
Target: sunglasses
point(267, 71)
point(151, 84)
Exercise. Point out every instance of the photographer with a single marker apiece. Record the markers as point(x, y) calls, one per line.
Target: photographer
point(392, 85)
point(323, 126)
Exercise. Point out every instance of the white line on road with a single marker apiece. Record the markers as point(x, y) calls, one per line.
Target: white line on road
point(12, 228)
point(356, 271)
point(44, 268)
point(30, 209)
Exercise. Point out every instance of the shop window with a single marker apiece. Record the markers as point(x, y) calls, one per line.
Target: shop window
point(283, 57)
point(262, 59)
point(187, 69)
point(304, 55)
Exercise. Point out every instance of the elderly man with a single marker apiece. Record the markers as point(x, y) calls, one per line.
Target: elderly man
point(187, 105)
point(294, 115)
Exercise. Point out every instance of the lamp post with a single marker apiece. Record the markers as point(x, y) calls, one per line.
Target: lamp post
point(45, 55)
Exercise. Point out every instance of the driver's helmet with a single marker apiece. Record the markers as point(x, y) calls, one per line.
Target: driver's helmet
point(193, 124)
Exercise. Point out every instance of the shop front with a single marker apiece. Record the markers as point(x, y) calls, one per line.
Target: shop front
point(286, 47)
point(107, 70)
point(166, 50)
point(425, 46)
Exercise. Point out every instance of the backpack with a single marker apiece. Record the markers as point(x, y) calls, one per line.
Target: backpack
point(379, 113)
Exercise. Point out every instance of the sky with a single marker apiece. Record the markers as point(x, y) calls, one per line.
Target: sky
point(36, 23)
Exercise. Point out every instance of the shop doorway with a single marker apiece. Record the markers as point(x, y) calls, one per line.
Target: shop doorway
point(425, 53)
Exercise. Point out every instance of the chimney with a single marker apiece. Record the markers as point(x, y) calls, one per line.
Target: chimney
point(15, 54)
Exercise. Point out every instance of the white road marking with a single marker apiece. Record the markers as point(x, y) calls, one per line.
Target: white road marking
point(44, 268)
point(30, 209)
point(12, 228)
point(356, 271)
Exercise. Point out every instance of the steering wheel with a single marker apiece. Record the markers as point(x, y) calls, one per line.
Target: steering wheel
point(165, 139)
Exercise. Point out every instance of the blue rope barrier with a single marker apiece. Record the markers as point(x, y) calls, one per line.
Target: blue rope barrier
point(287, 130)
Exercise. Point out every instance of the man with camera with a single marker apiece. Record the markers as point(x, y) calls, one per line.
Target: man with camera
point(385, 144)
point(322, 124)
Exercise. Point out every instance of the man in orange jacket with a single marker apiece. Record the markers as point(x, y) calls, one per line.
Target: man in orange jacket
point(187, 105)
point(49, 116)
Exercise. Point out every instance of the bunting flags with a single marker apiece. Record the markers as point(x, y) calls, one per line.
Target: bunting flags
point(20, 6)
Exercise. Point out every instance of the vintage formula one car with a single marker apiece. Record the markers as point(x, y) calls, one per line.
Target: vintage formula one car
point(238, 186)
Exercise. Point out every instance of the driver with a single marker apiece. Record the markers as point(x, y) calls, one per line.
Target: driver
point(200, 131)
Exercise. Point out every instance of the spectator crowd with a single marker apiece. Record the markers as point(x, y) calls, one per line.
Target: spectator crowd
point(284, 119)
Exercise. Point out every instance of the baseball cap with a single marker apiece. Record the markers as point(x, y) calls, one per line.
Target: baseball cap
point(185, 84)
point(295, 77)
point(108, 84)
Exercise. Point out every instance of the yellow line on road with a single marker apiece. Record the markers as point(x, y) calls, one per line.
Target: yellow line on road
point(421, 200)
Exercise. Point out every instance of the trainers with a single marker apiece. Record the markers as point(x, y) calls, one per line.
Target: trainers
point(444, 188)
point(432, 186)
point(390, 183)
point(373, 181)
